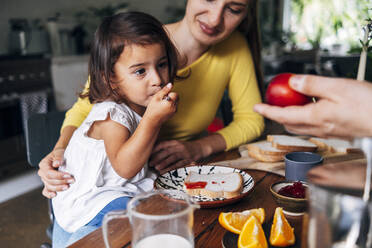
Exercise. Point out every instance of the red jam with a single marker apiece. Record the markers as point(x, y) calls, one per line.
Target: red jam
point(195, 185)
point(297, 190)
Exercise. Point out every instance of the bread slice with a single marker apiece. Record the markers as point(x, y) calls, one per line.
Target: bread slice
point(217, 185)
point(265, 157)
point(291, 143)
point(334, 145)
point(265, 148)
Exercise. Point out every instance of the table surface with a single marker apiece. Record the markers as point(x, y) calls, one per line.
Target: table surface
point(207, 231)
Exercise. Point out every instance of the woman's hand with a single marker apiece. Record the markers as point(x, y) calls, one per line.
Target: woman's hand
point(174, 154)
point(53, 179)
point(343, 108)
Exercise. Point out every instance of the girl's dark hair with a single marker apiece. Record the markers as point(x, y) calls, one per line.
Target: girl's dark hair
point(250, 28)
point(110, 39)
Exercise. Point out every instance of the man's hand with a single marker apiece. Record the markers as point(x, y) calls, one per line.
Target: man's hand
point(343, 108)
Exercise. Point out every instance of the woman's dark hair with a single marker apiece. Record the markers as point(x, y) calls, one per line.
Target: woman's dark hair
point(250, 28)
point(110, 39)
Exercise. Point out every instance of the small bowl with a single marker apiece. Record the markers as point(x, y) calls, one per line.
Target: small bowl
point(291, 206)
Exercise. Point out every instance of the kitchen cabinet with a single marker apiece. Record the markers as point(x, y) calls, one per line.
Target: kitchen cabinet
point(19, 76)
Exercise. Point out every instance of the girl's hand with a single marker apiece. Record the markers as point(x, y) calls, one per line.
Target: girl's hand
point(343, 108)
point(163, 105)
point(53, 179)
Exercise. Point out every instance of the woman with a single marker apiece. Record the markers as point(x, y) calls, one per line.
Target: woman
point(214, 57)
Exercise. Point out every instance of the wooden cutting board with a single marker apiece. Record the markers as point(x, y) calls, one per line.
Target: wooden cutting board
point(246, 162)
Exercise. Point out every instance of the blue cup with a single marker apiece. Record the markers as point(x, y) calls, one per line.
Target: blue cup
point(297, 164)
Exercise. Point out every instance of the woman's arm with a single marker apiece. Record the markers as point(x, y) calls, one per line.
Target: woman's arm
point(343, 108)
point(244, 93)
point(65, 137)
point(78, 112)
point(53, 179)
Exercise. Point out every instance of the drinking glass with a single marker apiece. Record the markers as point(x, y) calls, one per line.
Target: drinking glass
point(332, 214)
point(160, 218)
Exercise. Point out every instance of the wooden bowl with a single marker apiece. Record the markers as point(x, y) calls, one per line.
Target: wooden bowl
point(291, 206)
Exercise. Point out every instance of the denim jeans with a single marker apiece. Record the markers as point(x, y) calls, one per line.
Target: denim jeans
point(61, 238)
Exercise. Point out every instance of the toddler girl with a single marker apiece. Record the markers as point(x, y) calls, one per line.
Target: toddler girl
point(131, 61)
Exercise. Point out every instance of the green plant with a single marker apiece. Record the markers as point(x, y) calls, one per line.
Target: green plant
point(368, 29)
point(314, 38)
point(365, 48)
point(90, 18)
point(298, 7)
point(101, 12)
point(315, 42)
point(333, 21)
point(358, 47)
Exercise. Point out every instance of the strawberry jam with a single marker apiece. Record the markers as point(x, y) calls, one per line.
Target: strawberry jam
point(195, 185)
point(297, 190)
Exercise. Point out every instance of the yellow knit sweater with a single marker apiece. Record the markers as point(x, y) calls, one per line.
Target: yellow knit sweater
point(226, 65)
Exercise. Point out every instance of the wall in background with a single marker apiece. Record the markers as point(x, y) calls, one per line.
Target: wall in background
point(44, 9)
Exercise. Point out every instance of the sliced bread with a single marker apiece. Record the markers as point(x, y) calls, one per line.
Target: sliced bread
point(216, 185)
point(265, 147)
point(291, 143)
point(334, 145)
point(265, 157)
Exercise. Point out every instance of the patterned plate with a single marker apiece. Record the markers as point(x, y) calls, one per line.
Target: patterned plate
point(174, 180)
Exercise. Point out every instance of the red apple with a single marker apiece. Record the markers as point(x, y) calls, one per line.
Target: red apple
point(279, 92)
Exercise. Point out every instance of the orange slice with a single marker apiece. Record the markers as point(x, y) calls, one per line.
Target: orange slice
point(281, 232)
point(252, 235)
point(234, 221)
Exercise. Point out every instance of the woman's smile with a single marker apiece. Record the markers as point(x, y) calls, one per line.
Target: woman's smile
point(211, 31)
point(210, 22)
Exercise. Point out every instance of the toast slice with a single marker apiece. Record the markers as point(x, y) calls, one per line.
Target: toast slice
point(265, 157)
point(335, 145)
point(216, 185)
point(291, 143)
point(265, 148)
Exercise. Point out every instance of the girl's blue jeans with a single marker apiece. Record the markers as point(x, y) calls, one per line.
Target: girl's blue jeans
point(62, 239)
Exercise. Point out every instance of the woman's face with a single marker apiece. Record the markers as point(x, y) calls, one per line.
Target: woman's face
point(211, 21)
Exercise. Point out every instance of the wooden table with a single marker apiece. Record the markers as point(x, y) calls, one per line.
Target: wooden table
point(207, 230)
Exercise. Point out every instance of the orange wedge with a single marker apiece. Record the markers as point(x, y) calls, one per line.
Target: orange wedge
point(252, 235)
point(234, 221)
point(281, 232)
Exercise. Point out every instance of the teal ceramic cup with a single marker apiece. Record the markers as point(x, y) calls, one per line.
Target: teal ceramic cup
point(297, 164)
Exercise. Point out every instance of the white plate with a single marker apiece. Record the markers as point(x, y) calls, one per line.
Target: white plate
point(174, 180)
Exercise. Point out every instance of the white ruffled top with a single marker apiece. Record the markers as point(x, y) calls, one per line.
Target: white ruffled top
point(96, 182)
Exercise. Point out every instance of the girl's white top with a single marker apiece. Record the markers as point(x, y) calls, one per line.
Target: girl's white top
point(96, 182)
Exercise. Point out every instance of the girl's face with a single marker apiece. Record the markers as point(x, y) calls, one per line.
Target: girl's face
point(211, 21)
point(141, 71)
